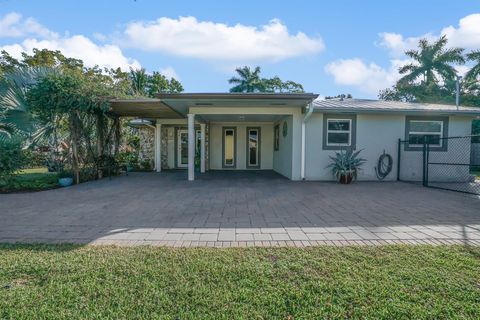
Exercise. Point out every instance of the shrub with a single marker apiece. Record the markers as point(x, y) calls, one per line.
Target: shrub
point(12, 158)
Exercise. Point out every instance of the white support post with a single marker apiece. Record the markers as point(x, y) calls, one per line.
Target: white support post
point(302, 165)
point(158, 147)
point(191, 147)
point(202, 147)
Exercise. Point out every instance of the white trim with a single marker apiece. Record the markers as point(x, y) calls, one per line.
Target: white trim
point(257, 147)
point(158, 147)
point(179, 163)
point(339, 131)
point(202, 147)
point(191, 147)
point(303, 157)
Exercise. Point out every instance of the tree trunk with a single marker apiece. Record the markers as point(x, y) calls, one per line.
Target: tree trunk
point(116, 123)
point(100, 143)
point(74, 137)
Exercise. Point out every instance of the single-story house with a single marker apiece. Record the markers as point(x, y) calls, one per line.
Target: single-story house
point(292, 134)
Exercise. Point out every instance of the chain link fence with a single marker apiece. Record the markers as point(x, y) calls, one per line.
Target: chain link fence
point(451, 163)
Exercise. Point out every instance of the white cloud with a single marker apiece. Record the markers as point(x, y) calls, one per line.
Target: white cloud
point(13, 25)
point(76, 46)
point(170, 73)
point(188, 37)
point(369, 78)
point(466, 35)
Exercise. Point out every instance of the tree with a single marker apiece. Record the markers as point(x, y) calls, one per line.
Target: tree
point(250, 81)
point(431, 60)
point(15, 116)
point(139, 81)
point(158, 83)
point(247, 80)
point(474, 72)
point(339, 96)
point(143, 84)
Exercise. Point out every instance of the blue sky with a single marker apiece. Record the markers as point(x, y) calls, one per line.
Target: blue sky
point(330, 47)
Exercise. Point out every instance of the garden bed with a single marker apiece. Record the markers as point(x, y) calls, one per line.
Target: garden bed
point(36, 179)
point(389, 282)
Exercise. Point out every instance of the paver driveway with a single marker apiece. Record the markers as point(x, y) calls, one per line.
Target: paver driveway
point(238, 209)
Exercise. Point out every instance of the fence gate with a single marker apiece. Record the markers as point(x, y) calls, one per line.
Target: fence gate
point(451, 163)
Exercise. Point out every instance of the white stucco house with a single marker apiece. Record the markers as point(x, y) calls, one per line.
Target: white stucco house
point(292, 134)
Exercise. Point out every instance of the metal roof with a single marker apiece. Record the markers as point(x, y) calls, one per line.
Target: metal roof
point(380, 106)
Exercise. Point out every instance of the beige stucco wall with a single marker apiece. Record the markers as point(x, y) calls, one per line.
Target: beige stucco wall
point(266, 144)
point(375, 133)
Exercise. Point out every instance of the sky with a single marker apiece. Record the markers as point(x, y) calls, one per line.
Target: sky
point(331, 47)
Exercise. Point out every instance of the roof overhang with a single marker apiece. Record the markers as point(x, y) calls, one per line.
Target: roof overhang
point(177, 105)
point(143, 108)
point(182, 102)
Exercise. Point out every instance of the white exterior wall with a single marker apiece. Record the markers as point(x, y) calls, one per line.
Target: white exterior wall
point(375, 133)
point(282, 158)
point(266, 145)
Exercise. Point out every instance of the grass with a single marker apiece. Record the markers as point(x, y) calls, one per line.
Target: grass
point(30, 180)
point(390, 282)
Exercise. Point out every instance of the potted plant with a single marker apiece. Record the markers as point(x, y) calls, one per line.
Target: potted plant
point(345, 165)
point(65, 178)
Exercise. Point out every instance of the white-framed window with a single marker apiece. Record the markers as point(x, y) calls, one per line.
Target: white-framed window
point(432, 130)
point(339, 132)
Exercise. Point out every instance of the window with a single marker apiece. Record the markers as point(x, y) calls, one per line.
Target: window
point(339, 131)
point(276, 138)
point(229, 152)
point(253, 147)
point(421, 129)
point(433, 129)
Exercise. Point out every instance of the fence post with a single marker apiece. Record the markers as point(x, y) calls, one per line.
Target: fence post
point(427, 159)
point(424, 158)
point(398, 158)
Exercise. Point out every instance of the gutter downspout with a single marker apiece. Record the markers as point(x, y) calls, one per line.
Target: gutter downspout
point(304, 121)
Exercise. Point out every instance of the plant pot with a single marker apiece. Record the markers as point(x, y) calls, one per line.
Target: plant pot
point(65, 182)
point(346, 178)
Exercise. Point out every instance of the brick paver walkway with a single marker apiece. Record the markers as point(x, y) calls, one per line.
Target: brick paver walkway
point(226, 209)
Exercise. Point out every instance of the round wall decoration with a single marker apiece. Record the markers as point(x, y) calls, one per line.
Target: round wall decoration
point(285, 129)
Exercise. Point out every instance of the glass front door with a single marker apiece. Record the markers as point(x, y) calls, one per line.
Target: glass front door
point(253, 147)
point(182, 148)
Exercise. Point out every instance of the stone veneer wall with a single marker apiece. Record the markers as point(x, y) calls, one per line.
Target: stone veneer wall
point(147, 144)
point(164, 148)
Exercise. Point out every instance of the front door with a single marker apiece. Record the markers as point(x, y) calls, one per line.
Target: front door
point(182, 148)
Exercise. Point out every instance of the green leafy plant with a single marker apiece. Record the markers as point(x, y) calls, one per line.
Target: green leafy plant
point(12, 158)
point(346, 163)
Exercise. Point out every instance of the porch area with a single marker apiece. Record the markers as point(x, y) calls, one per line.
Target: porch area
point(223, 131)
point(239, 208)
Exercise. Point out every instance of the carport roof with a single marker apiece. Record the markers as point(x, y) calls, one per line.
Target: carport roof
point(176, 105)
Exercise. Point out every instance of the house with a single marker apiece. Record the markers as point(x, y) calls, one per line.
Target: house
point(292, 134)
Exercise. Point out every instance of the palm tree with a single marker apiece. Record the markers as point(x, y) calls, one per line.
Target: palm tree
point(138, 80)
point(473, 73)
point(247, 81)
point(15, 118)
point(431, 60)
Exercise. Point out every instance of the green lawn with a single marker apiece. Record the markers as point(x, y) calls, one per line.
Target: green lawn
point(31, 180)
point(390, 282)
